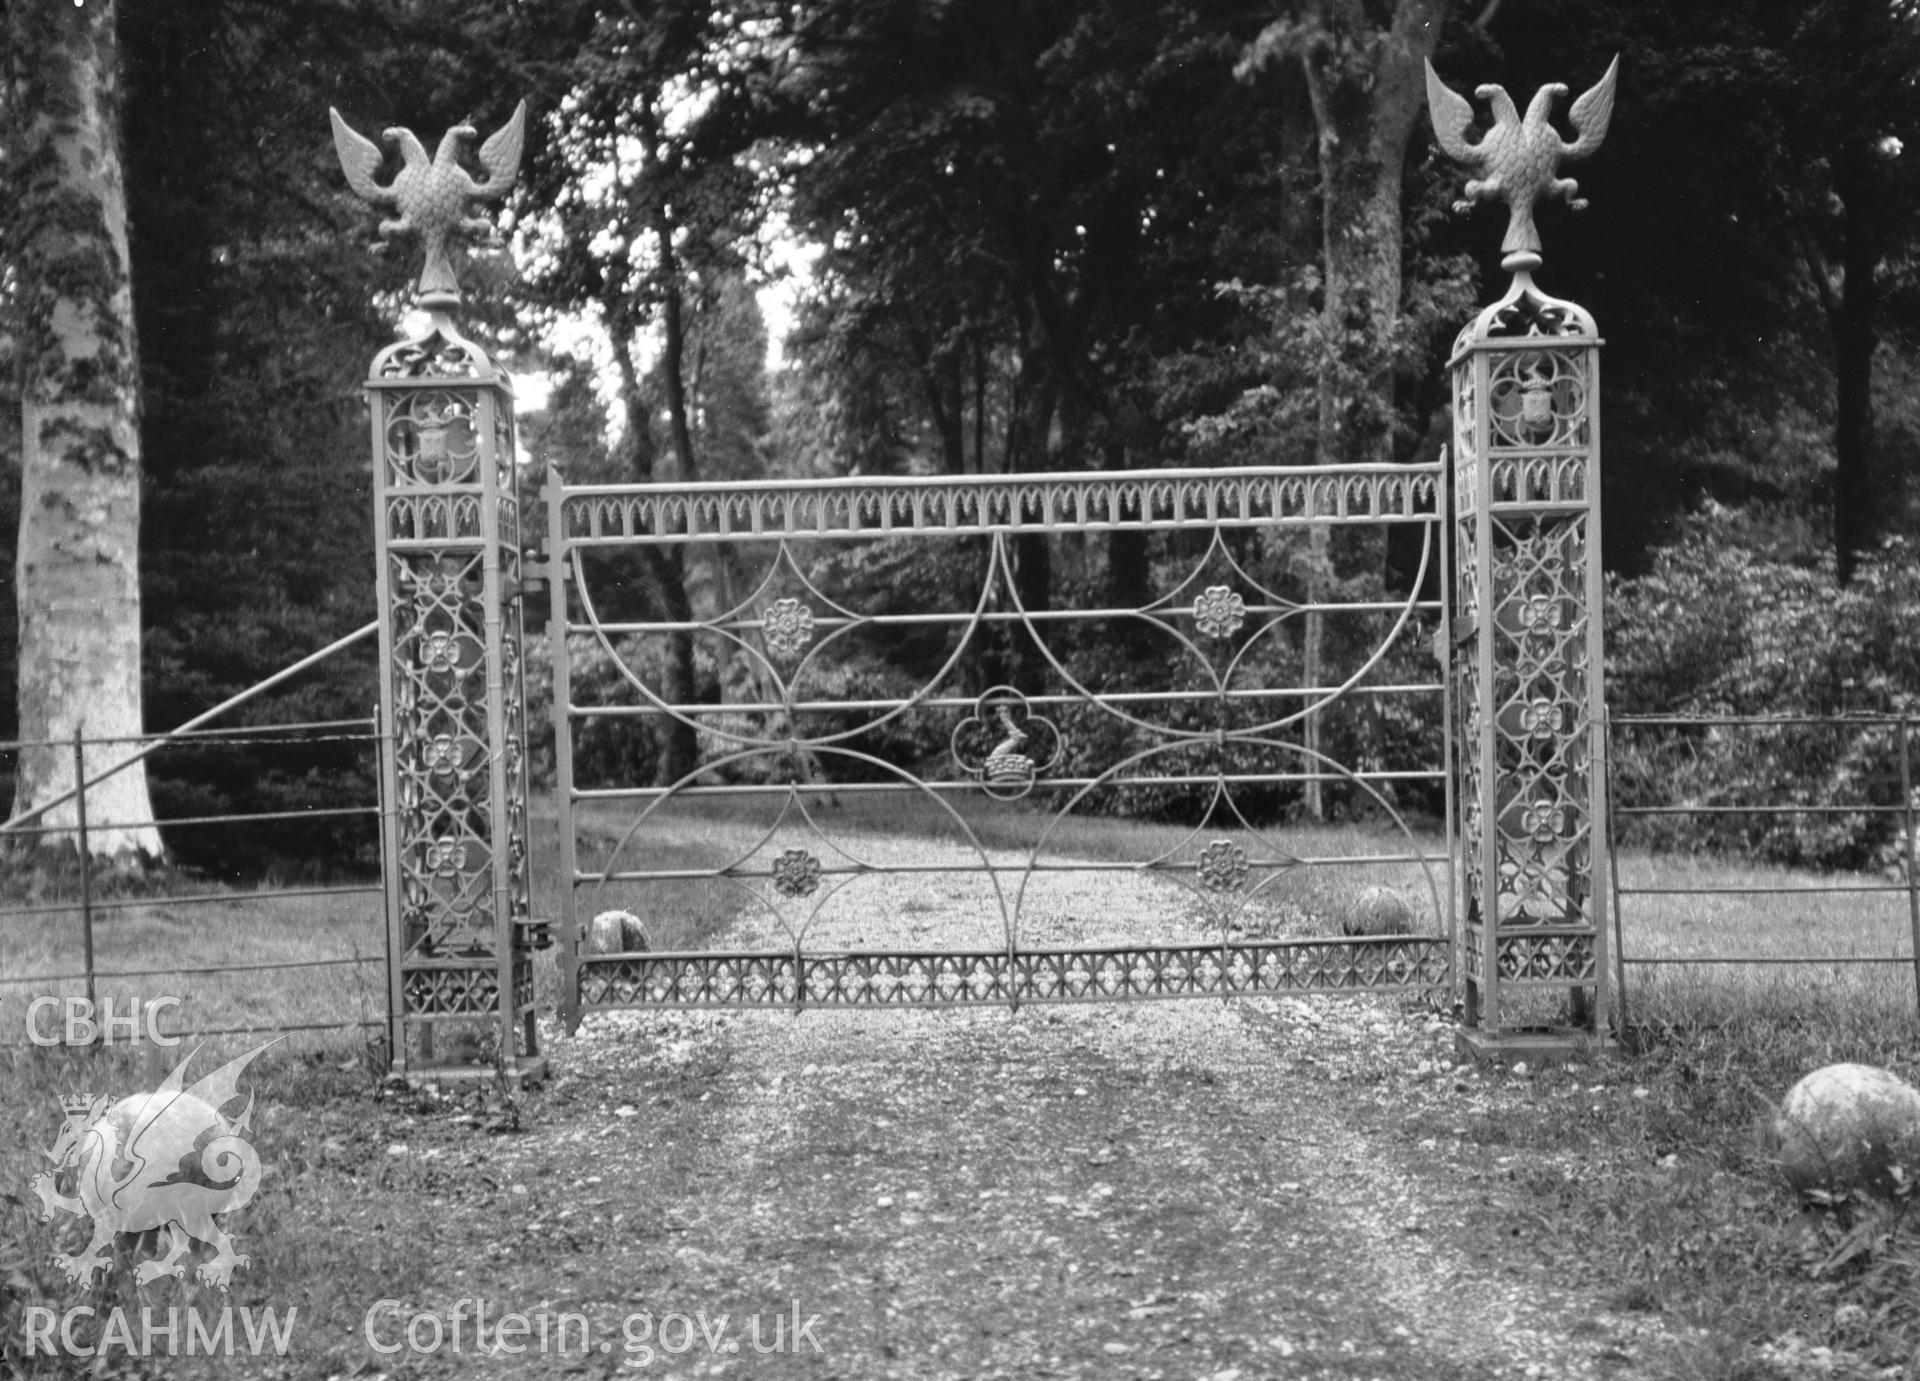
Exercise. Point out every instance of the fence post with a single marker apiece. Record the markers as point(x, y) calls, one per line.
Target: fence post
point(382, 818)
point(1613, 874)
point(1906, 818)
point(86, 859)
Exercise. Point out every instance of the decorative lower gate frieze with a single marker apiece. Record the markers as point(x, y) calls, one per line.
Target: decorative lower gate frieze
point(937, 978)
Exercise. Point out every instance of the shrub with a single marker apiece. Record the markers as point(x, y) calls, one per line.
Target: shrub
point(1714, 629)
point(1362, 733)
point(607, 751)
point(625, 751)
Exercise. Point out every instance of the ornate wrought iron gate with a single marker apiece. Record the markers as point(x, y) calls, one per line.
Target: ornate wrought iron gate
point(780, 786)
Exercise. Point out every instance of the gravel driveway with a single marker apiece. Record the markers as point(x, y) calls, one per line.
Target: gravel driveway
point(1195, 1189)
point(1179, 1190)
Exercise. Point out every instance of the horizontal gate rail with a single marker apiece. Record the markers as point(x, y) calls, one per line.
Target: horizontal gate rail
point(1065, 865)
point(985, 617)
point(1042, 699)
point(643, 793)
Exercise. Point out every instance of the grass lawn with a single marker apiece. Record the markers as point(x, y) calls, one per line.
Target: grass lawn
point(341, 939)
point(1653, 1188)
point(1785, 918)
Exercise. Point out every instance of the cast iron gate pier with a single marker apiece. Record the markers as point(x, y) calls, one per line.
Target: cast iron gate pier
point(1528, 659)
point(454, 832)
point(1528, 649)
point(815, 587)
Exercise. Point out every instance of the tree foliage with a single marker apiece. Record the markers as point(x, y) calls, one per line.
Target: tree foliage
point(1713, 629)
point(1049, 236)
point(257, 307)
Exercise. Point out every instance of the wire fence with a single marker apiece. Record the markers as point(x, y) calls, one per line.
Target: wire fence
point(1829, 797)
point(1823, 808)
point(330, 766)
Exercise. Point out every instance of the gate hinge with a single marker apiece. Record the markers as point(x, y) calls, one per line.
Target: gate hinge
point(535, 572)
point(1444, 646)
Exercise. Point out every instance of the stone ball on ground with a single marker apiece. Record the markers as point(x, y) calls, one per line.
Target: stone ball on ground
point(1380, 911)
point(616, 932)
point(1849, 1127)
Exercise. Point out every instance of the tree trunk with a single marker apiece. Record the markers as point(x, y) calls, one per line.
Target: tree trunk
point(940, 386)
point(1129, 561)
point(665, 564)
point(1855, 337)
point(1032, 551)
point(1366, 86)
point(1364, 110)
point(673, 346)
point(979, 409)
point(682, 754)
point(78, 565)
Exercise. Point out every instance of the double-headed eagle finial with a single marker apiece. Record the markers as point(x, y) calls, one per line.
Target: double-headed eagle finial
point(1519, 160)
point(435, 197)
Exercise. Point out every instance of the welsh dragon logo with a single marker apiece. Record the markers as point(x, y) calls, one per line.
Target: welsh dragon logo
point(170, 1159)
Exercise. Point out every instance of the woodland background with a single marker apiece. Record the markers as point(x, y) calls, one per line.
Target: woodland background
point(1050, 235)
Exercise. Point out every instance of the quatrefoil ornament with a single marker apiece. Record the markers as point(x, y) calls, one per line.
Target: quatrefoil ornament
point(1222, 867)
point(446, 858)
point(1544, 822)
point(788, 625)
point(1535, 615)
point(1218, 612)
point(796, 873)
point(1005, 746)
point(1538, 717)
point(441, 756)
point(1542, 818)
point(440, 652)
